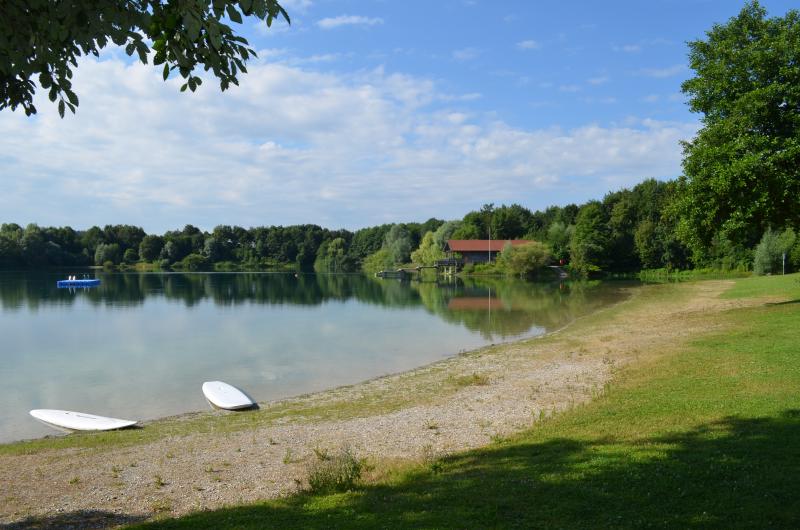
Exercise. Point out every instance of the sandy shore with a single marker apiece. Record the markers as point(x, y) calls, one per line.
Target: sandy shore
point(460, 403)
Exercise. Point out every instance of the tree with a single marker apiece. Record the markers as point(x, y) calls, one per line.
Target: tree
point(150, 247)
point(509, 222)
point(589, 239)
point(772, 250)
point(377, 261)
point(741, 170)
point(398, 243)
point(107, 252)
point(130, 256)
point(10, 252)
point(445, 232)
point(331, 256)
point(558, 236)
point(428, 252)
point(214, 250)
point(41, 40)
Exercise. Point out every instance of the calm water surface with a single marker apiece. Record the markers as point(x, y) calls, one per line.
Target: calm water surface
point(140, 345)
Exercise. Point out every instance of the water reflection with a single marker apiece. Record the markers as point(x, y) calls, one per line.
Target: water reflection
point(497, 308)
point(140, 345)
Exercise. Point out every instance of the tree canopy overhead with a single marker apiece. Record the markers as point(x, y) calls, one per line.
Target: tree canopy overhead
point(41, 40)
point(741, 171)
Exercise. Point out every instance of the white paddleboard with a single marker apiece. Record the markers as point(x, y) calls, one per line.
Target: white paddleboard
point(224, 396)
point(79, 421)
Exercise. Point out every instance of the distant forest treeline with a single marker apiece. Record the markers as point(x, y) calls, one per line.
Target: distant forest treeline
point(627, 231)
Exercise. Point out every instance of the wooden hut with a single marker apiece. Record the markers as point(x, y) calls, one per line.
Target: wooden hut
point(479, 250)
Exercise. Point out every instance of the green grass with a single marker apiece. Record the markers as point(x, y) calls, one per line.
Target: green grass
point(787, 286)
point(664, 275)
point(707, 437)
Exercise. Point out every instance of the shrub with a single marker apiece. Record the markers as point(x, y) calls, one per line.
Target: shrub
point(335, 473)
point(525, 260)
point(192, 262)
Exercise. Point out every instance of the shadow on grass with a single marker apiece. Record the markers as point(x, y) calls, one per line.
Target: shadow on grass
point(80, 519)
point(730, 474)
point(788, 302)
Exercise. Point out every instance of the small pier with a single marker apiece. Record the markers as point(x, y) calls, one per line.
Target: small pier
point(405, 273)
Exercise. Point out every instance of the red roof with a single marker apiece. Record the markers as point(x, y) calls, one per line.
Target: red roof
point(478, 245)
point(467, 303)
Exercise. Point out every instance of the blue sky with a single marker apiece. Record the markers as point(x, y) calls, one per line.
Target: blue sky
point(365, 112)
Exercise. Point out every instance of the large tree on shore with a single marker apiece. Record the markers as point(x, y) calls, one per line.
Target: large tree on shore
point(742, 170)
point(41, 40)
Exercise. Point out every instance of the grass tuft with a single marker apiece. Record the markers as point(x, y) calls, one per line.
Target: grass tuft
point(471, 380)
point(339, 472)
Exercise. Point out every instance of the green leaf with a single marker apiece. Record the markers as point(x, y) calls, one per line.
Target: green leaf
point(246, 6)
point(61, 108)
point(72, 97)
point(219, 8)
point(141, 49)
point(192, 26)
point(166, 71)
point(216, 39)
point(233, 14)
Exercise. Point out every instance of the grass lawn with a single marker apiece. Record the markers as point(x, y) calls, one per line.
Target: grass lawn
point(708, 436)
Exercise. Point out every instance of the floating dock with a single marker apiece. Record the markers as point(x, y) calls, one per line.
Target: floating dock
point(90, 282)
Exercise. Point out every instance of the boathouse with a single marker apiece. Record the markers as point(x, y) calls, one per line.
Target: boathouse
point(479, 250)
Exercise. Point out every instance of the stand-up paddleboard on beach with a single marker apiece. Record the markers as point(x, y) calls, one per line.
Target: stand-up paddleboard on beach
point(79, 421)
point(224, 396)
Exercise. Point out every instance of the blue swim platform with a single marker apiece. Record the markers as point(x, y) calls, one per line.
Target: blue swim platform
point(78, 283)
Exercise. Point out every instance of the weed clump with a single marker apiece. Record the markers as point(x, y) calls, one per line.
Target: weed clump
point(338, 472)
point(471, 380)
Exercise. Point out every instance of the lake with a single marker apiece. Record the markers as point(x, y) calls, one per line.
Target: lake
point(140, 345)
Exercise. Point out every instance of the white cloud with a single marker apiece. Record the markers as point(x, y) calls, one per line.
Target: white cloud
point(299, 6)
point(661, 73)
point(570, 89)
point(599, 80)
point(528, 45)
point(606, 100)
point(348, 20)
point(293, 146)
point(318, 58)
point(628, 48)
point(471, 96)
point(466, 54)
point(651, 98)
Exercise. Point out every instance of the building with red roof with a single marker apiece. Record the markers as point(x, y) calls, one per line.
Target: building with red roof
point(480, 250)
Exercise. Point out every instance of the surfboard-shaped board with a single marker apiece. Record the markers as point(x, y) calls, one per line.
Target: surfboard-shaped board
point(79, 421)
point(224, 396)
